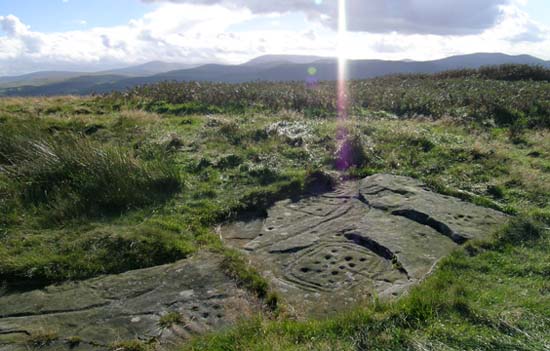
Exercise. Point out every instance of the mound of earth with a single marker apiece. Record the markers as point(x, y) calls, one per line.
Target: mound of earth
point(100, 312)
point(376, 236)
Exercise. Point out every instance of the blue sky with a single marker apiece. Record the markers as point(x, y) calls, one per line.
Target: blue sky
point(58, 15)
point(64, 15)
point(98, 34)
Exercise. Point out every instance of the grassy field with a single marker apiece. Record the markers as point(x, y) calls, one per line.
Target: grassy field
point(95, 185)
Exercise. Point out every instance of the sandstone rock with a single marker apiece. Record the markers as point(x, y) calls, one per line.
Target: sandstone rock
point(376, 236)
point(323, 253)
point(126, 307)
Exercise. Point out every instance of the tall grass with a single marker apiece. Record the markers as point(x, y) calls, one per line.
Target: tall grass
point(71, 175)
point(503, 95)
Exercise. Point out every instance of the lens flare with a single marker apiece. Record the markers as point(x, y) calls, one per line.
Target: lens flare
point(344, 149)
point(342, 60)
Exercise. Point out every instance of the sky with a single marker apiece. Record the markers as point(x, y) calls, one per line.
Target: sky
point(88, 35)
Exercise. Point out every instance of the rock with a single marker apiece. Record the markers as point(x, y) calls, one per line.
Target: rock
point(378, 236)
point(323, 253)
point(92, 129)
point(127, 306)
point(294, 133)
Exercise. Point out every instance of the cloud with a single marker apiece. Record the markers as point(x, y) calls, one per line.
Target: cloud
point(531, 33)
point(441, 17)
point(233, 33)
point(171, 32)
point(520, 28)
point(20, 34)
point(12, 26)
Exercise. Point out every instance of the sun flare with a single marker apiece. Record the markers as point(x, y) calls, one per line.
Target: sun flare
point(342, 60)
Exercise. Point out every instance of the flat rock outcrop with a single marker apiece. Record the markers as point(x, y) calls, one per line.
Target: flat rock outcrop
point(128, 306)
point(323, 253)
point(376, 236)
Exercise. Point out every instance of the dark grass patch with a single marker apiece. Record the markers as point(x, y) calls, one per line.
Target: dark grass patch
point(68, 175)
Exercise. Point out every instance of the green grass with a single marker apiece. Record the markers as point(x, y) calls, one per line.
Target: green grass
point(502, 95)
point(71, 175)
point(42, 338)
point(170, 319)
point(92, 186)
point(489, 296)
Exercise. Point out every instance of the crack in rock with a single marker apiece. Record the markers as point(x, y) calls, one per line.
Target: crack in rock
point(195, 288)
point(425, 219)
point(53, 312)
point(378, 249)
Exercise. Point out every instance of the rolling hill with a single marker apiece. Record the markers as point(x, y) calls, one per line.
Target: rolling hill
point(265, 68)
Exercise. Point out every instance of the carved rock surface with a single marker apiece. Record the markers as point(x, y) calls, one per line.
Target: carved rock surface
point(323, 253)
point(377, 236)
point(127, 306)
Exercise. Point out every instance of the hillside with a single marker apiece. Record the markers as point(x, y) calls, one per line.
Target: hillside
point(268, 68)
point(50, 77)
point(158, 218)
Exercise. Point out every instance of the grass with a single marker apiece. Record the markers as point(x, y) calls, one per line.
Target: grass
point(237, 268)
point(42, 338)
point(92, 186)
point(502, 95)
point(71, 175)
point(490, 296)
point(170, 319)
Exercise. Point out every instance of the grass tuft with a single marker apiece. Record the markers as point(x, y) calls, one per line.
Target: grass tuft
point(72, 176)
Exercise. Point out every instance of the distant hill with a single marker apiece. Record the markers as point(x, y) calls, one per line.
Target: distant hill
point(281, 59)
point(37, 78)
point(265, 68)
point(148, 69)
point(50, 77)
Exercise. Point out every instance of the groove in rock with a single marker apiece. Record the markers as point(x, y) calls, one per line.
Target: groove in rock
point(363, 199)
point(378, 249)
point(46, 313)
point(379, 190)
point(425, 219)
point(293, 249)
point(8, 332)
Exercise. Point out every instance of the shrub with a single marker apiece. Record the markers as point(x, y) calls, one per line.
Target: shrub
point(350, 152)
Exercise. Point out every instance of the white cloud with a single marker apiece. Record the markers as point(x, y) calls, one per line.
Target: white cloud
point(12, 26)
point(442, 17)
point(195, 33)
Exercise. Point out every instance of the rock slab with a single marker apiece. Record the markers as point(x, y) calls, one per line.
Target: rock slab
point(128, 306)
point(377, 236)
